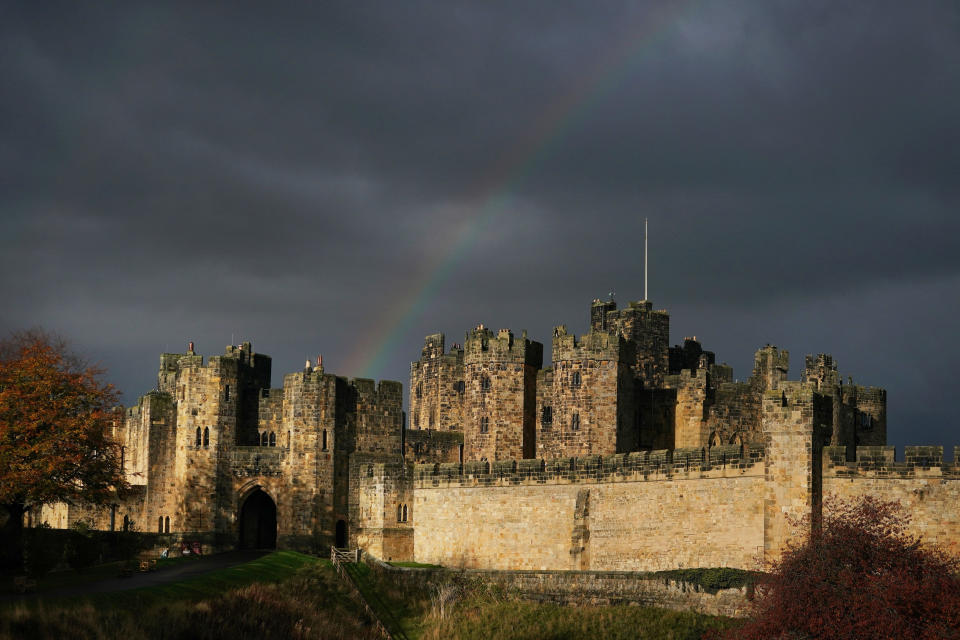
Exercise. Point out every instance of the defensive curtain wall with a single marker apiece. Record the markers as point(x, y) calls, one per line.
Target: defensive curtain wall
point(726, 505)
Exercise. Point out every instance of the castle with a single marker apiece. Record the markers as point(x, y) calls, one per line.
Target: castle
point(626, 454)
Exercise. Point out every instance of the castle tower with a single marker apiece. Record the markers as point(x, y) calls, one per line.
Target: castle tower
point(770, 366)
point(593, 397)
point(437, 387)
point(499, 407)
point(649, 331)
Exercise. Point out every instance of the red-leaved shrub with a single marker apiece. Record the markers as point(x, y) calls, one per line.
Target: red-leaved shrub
point(859, 575)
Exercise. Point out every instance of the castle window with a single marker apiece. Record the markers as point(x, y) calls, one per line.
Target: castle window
point(459, 386)
point(273, 439)
point(226, 393)
point(404, 513)
point(485, 383)
point(432, 417)
point(417, 448)
point(288, 440)
point(123, 458)
point(160, 524)
point(206, 436)
point(263, 439)
point(419, 390)
point(399, 513)
point(484, 425)
point(575, 422)
point(198, 437)
point(546, 417)
point(126, 523)
point(324, 440)
point(575, 380)
point(166, 525)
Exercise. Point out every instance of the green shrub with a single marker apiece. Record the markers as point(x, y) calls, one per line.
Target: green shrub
point(712, 579)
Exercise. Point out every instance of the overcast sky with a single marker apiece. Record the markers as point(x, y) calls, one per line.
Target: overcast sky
point(344, 178)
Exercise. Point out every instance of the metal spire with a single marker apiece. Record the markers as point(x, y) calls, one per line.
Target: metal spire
point(645, 259)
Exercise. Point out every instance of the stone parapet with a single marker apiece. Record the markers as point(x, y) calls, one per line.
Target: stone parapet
point(624, 467)
point(881, 462)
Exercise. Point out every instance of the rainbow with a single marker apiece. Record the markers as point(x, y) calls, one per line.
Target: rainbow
point(495, 190)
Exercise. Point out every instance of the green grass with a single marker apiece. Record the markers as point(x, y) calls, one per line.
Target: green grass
point(514, 620)
point(287, 594)
point(268, 569)
point(415, 565)
point(400, 610)
point(283, 595)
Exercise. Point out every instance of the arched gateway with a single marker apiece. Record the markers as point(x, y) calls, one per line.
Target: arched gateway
point(258, 521)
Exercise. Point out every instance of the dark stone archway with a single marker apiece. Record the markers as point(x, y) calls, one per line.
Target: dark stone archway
point(258, 522)
point(341, 542)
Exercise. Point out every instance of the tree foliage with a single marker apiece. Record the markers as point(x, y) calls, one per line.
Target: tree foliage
point(56, 417)
point(859, 575)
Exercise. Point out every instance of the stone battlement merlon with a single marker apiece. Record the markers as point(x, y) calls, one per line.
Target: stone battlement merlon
point(881, 462)
point(483, 345)
point(595, 345)
point(663, 464)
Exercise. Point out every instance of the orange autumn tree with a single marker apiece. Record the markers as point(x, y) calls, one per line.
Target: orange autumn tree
point(55, 422)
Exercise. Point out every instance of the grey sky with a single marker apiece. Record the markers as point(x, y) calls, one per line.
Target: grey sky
point(292, 176)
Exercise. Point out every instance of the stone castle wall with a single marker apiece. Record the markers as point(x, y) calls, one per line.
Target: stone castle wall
point(638, 511)
point(927, 488)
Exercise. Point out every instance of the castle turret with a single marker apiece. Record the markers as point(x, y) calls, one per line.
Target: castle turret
point(500, 394)
point(593, 408)
point(437, 387)
point(649, 330)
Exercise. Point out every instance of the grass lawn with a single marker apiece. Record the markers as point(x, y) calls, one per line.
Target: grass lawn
point(281, 595)
point(415, 565)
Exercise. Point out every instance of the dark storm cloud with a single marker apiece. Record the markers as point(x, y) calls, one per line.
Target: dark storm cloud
point(289, 175)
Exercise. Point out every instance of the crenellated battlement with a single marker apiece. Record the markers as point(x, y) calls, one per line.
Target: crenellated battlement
point(483, 345)
point(881, 462)
point(595, 345)
point(664, 464)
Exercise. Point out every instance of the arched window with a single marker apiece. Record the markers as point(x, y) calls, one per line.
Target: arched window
point(324, 440)
point(166, 525)
point(206, 436)
point(160, 524)
point(399, 513)
point(485, 383)
point(575, 422)
point(575, 380)
point(198, 436)
point(263, 439)
point(404, 513)
point(273, 439)
point(484, 425)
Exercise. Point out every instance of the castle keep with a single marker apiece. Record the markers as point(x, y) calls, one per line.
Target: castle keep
point(625, 453)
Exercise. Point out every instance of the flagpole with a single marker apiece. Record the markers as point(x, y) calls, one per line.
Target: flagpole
point(645, 259)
